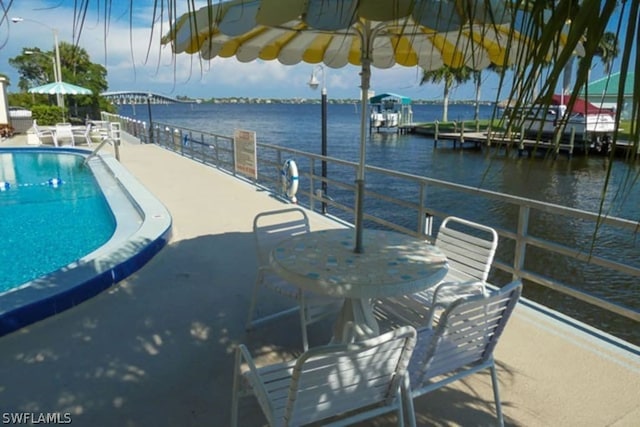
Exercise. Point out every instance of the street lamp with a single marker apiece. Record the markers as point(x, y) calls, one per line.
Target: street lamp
point(57, 69)
point(149, 96)
point(53, 61)
point(313, 84)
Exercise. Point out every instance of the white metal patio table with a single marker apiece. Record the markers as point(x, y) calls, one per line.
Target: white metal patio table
point(393, 264)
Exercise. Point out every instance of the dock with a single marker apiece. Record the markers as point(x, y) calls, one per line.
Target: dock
point(157, 349)
point(476, 139)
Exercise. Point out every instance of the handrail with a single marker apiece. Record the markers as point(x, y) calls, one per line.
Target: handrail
point(217, 150)
point(105, 140)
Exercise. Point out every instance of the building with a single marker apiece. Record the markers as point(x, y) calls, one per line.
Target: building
point(604, 93)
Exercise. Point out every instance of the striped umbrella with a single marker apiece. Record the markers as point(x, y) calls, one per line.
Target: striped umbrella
point(382, 33)
point(61, 88)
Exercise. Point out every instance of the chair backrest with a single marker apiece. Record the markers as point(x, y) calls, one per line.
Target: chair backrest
point(64, 130)
point(468, 246)
point(272, 227)
point(335, 379)
point(466, 334)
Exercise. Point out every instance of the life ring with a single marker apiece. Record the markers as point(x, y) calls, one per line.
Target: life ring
point(289, 175)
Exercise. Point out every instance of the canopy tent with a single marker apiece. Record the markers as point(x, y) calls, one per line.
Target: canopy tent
point(580, 106)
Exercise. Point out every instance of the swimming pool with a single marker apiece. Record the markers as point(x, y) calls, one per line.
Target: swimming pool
point(48, 200)
point(69, 230)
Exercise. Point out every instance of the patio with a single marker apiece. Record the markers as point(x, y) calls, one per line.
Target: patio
point(157, 349)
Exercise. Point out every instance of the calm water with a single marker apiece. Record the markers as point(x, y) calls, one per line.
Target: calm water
point(45, 227)
point(576, 183)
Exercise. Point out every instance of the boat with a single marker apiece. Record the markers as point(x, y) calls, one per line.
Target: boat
point(390, 111)
point(587, 122)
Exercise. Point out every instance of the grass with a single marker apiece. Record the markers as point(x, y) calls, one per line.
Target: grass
point(498, 125)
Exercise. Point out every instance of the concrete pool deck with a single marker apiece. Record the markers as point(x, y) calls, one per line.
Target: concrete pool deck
point(157, 348)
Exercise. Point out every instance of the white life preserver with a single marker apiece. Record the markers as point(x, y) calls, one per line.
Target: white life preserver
point(289, 176)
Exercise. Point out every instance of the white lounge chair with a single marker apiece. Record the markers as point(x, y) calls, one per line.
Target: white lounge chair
point(64, 132)
point(357, 381)
point(82, 135)
point(470, 248)
point(270, 228)
point(45, 135)
point(462, 343)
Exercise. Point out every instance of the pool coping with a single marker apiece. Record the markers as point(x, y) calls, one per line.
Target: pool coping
point(129, 248)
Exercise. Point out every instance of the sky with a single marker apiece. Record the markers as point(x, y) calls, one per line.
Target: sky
point(135, 59)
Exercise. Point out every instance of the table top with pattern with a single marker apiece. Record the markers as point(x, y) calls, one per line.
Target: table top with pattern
point(392, 263)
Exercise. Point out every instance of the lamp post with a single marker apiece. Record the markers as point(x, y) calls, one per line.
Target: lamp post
point(52, 58)
point(149, 96)
point(57, 69)
point(313, 84)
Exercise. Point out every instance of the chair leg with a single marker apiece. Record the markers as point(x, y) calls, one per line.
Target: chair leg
point(303, 323)
point(235, 390)
point(496, 394)
point(407, 401)
point(252, 305)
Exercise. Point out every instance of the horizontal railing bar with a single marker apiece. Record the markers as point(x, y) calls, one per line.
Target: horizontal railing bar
point(581, 256)
point(582, 296)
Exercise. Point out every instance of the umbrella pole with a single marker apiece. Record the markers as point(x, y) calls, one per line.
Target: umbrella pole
point(365, 77)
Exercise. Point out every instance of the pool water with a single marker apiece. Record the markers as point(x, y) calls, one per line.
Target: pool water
point(43, 226)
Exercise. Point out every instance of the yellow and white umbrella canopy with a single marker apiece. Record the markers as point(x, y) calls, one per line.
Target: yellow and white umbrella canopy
point(425, 33)
point(382, 33)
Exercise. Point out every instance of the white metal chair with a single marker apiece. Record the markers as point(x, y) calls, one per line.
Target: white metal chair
point(356, 381)
point(462, 343)
point(83, 135)
point(470, 248)
point(270, 228)
point(64, 132)
point(45, 135)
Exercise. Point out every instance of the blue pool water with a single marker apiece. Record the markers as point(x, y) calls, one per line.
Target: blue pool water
point(44, 227)
point(61, 245)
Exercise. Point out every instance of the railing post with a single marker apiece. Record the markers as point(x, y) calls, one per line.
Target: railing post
point(421, 209)
point(312, 194)
point(571, 140)
point(520, 243)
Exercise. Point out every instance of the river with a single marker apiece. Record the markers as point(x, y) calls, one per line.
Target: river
point(577, 182)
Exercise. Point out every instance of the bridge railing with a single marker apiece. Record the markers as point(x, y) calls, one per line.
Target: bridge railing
point(517, 220)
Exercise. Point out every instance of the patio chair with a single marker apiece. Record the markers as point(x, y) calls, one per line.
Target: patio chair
point(462, 343)
point(470, 248)
point(351, 381)
point(45, 135)
point(270, 228)
point(82, 135)
point(64, 132)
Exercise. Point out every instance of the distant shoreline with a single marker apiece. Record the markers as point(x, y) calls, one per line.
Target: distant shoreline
point(245, 100)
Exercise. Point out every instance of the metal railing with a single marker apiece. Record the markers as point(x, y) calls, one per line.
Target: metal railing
point(520, 217)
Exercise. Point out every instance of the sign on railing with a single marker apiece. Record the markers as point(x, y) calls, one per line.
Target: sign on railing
point(245, 153)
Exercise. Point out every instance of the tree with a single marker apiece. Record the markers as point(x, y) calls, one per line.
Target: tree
point(449, 76)
point(36, 67)
point(607, 50)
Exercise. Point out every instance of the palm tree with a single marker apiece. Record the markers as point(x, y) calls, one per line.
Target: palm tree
point(449, 76)
point(607, 50)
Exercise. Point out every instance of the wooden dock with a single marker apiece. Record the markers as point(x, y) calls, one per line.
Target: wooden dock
point(466, 138)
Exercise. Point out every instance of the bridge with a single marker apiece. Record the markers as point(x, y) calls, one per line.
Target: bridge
point(139, 97)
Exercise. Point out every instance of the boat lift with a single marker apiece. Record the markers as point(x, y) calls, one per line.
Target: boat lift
point(390, 111)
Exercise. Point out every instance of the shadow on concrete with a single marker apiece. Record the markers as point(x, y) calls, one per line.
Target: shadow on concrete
point(157, 349)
